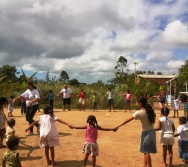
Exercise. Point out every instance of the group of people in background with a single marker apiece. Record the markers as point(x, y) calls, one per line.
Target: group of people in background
point(49, 134)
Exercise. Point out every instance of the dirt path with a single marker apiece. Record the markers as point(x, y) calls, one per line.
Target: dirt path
point(117, 149)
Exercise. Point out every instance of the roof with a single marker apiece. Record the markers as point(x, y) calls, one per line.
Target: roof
point(157, 76)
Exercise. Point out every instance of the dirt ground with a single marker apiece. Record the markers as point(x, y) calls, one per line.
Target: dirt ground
point(119, 148)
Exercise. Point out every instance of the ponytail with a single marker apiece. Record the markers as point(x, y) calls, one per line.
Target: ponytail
point(151, 113)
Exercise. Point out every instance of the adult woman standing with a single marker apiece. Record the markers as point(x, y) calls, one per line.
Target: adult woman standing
point(32, 97)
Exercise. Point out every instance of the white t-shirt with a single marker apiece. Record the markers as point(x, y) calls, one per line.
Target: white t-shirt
point(143, 117)
point(66, 92)
point(110, 94)
point(30, 95)
point(183, 131)
point(166, 125)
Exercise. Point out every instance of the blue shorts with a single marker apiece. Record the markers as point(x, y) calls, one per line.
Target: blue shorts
point(148, 142)
point(111, 102)
point(127, 102)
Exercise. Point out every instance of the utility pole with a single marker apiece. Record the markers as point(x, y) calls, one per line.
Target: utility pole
point(135, 64)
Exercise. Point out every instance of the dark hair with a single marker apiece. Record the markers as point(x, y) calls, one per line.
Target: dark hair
point(150, 112)
point(11, 122)
point(128, 91)
point(165, 111)
point(92, 119)
point(182, 120)
point(176, 96)
point(48, 110)
point(12, 96)
point(32, 84)
point(183, 97)
point(3, 100)
point(12, 142)
point(50, 91)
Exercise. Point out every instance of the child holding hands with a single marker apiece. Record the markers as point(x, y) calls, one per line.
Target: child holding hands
point(91, 145)
point(166, 125)
point(48, 133)
point(182, 133)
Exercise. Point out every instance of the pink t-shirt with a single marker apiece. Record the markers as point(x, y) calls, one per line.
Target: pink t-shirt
point(91, 133)
point(128, 96)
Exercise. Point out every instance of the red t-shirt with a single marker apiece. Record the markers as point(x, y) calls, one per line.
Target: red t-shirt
point(82, 95)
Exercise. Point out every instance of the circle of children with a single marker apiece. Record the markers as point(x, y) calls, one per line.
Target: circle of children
point(49, 134)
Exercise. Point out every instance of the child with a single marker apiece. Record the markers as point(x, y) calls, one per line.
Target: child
point(94, 99)
point(162, 99)
point(3, 119)
point(91, 146)
point(182, 133)
point(50, 97)
point(81, 101)
point(128, 96)
point(23, 105)
point(147, 117)
point(183, 99)
point(176, 106)
point(110, 95)
point(10, 129)
point(11, 157)
point(166, 125)
point(48, 133)
point(10, 106)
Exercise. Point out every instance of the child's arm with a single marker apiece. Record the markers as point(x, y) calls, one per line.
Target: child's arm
point(63, 122)
point(105, 129)
point(173, 128)
point(78, 127)
point(159, 126)
point(124, 122)
point(18, 160)
point(177, 134)
point(31, 125)
point(13, 133)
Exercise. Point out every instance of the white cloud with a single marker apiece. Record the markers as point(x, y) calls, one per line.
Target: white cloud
point(176, 33)
point(86, 38)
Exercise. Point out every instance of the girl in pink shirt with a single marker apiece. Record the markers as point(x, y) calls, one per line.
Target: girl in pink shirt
point(128, 96)
point(91, 146)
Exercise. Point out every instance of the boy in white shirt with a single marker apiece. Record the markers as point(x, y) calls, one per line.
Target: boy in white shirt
point(182, 133)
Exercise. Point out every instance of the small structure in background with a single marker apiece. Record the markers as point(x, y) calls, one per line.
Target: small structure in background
point(168, 81)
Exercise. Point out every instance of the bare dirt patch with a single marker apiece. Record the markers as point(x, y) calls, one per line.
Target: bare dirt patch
point(116, 149)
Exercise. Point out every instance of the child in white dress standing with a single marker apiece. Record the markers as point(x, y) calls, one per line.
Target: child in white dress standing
point(176, 106)
point(166, 125)
point(48, 133)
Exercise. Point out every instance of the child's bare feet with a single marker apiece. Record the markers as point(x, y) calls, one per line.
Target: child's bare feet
point(49, 163)
point(164, 164)
point(53, 164)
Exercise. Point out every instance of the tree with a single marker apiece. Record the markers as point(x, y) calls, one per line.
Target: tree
point(64, 76)
point(183, 76)
point(9, 73)
point(74, 82)
point(119, 68)
point(159, 73)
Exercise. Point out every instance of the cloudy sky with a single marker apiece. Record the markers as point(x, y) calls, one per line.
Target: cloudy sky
point(85, 38)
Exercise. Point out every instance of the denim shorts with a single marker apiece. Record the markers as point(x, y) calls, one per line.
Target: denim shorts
point(148, 142)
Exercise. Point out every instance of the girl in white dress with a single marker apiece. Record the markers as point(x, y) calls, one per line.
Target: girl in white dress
point(48, 133)
point(176, 106)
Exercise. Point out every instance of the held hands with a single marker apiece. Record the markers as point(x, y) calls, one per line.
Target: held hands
point(116, 128)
